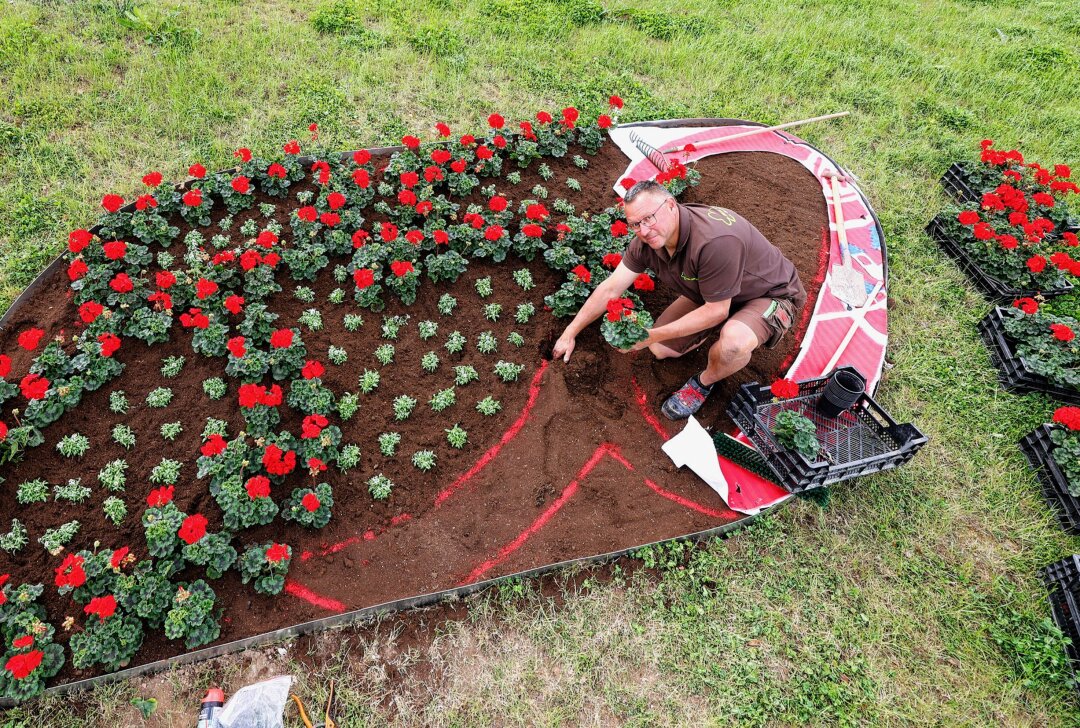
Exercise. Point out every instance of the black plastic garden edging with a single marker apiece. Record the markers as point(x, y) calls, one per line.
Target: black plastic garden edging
point(1038, 448)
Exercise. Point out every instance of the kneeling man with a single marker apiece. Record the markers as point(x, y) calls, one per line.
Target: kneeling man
point(732, 283)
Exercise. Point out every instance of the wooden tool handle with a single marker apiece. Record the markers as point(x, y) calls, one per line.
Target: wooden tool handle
point(841, 230)
point(762, 130)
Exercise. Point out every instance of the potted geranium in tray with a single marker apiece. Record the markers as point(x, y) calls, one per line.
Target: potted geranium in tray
point(1034, 350)
point(1053, 450)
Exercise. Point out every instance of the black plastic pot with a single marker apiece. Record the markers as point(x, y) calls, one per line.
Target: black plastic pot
point(1038, 448)
point(860, 441)
point(841, 392)
point(1013, 372)
point(991, 286)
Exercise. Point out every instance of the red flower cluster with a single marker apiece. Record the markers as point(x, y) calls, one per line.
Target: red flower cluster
point(312, 370)
point(255, 394)
point(784, 388)
point(30, 338)
point(193, 197)
point(363, 277)
point(1027, 305)
point(310, 502)
point(278, 461)
point(582, 273)
point(214, 445)
point(281, 339)
point(313, 426)
point(34, 386)
point(70, 572)
point(236, 347)
point(1062, 332)
point(258, 487)
point(537, 211)
point(112, 203)
point(194, 319)
point(109, 344)
point(204, 288)
point(644, 283)
point(401, 268)
point(78, 240)
point(532, 230)
point(618, 307)
point(118, 557)
point(161, 496)
point(104, 607)
point(20, 666)
point(234, 304)
point(192, 529)
point(612, 260)
point(114, 249)
point(277, 552)
point(1068, 416)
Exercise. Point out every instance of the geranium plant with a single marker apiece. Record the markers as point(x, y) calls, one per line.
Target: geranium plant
point(624, 326)
point(1065, 434)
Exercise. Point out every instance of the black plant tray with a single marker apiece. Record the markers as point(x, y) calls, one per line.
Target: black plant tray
point(991, 286)
point(1037, 448)
point(955, 182)
point(860, 441)
point(1013, 372)
point(1062, 589)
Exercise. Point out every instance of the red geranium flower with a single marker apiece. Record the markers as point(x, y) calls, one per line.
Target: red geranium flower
point(197, 171)
point(498, 141)
point(617, 306)
point(307, 213)
point(983, 231)
point(482, 152)
point(543, 117)
point(234, 304)
point(401, 268)
point(410, 142)
point(313, 426)
point(310, 502)
point(193, 197)
point(109, 344)
point(618, 229)
point(70, 572)
point(493, 233)
point(388, 232)
point(644, 283)
point(241, 184)
point(243, 154)
point(104, 607)
point(330, 219)
point(627, 182)
point(3, 436)
point(276, 170)
point(112, 203)
point(1008, 242)
point(615, 102)
point(536, 211)
point(5, 365)
point(258, 487)
point(192, 529)
point(527, 130)
point(1068, 416)
point(1062, 332)
point(604, 121)
point(363, 277)
point(214, 445)
point(144, 201)
point(1027, 305)
point(409, 179)
point(582, 273)
point(164, 279)
point(441, 156)
point(278, 552)
point(77, 270)
point(30, 338)
point(312, 370)
point(278, 462)
point(968, 217)
point(495, 121)
point(497, 203)
point(205, 288)
point(335, 200)
point(532, 230)
point(1036, 264)
point(34, 386)
point(78, 239)
point(249, 394)
point(415, 236)
point(441, 237)
point(291, 147)
point(612, 260)
point(271, 397)
point(784, 388)
point(281, 339)
point(22, 642)
point(443, 129)
point(161, 496)
point(20, 666)
point(118, 557)
point(406, 197)
point(570, 114)
point(458, 166)
point(152, 179)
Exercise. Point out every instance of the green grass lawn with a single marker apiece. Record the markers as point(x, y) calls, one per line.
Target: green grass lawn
point(913, 597)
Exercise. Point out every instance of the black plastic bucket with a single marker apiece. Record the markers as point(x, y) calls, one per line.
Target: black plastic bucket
point(841, 392)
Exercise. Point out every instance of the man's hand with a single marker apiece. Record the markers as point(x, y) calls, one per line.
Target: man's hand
point(564, 347)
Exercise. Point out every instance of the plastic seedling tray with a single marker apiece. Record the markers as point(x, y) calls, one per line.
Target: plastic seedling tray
point(860, 441)
point(1037, 448)
point(1062, 587)
point(1013, 372)
point(955, 182)
point(991, 286)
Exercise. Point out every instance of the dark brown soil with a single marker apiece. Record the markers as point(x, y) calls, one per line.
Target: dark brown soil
point(581, 457)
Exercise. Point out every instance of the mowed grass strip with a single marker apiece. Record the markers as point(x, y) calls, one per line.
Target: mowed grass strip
point(912, 597)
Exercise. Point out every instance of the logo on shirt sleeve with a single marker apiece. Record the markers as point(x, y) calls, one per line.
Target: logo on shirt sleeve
point(719, 214)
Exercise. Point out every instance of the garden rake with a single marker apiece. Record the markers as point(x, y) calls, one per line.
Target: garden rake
point(654, 155)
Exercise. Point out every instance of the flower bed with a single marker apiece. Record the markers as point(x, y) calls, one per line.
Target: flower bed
point(258, 471)
point(1014, 236)
point(1053, 451)
point(1034, 351)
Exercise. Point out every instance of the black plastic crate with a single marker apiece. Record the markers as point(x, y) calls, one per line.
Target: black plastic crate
point(1013, 372)
point(1037, 447)
point(860, 441)
point(1062, 589)
point(991, 286)
point(956, 183)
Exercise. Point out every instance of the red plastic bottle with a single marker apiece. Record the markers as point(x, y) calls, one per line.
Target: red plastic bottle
point(211, 706)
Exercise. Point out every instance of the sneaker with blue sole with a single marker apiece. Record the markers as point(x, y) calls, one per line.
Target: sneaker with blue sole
point(687, 400)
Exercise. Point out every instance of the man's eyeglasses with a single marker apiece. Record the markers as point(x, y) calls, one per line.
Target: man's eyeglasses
point(649, 219)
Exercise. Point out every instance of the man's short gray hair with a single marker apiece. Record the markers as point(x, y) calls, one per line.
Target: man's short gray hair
point(646, 185)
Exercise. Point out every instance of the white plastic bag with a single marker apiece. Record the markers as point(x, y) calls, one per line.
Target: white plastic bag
point(261, 705)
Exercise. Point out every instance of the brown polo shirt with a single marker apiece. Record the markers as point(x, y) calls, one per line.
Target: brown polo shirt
point(719, 256)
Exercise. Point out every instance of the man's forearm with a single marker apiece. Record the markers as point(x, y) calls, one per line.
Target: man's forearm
point(594, 305)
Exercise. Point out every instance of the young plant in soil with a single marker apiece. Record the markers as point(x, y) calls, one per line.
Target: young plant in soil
point(457, 437)
point(1065, 434)
point(623, 327)
point(796, 432)
point(266, 565)
point(388, 443)
point(488, 406)
point(310, 507)
point(380, 487)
